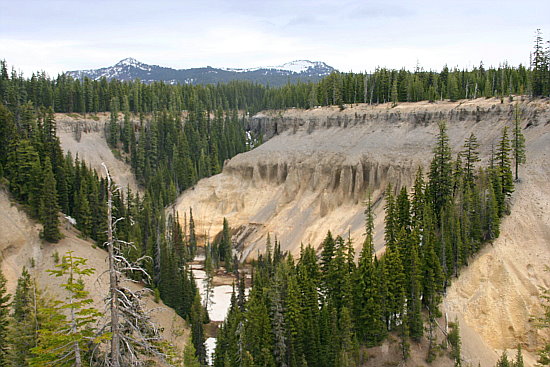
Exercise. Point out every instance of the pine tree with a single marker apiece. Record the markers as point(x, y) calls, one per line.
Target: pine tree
point(418, 200)
point(4, 322)
point(414, 280)
point(327, 254)
point(192, 235)
point(308, 283)
point(126, 310)
point(369, 312)
point(493, 207)
point(539, 65)
point(24, 170)
point(503, 361)
point(519, 358)
point(65, 340)
point(432, 277)
point(257, 332)
point(470, 155)
point(84, 213)
point(189, 356)
point(348, 348)
point(395, 278)
point(394, 95)
point(197, 332)
point(8, 133)
point(440, 184)
point(391, 228)
point(403, 210)
point(294, 320)
point(114, 130)
point(518, 141)
point(24, 321)
point(277, 317)
point(49, 208)
point(454, 340)
point(503, 164)
point(225, 247)
point(452, 88)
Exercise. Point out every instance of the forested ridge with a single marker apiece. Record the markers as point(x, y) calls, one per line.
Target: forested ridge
point(295, 306)
point(66, 94)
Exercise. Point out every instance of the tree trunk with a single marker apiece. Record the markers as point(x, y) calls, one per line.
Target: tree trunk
point(113, 281)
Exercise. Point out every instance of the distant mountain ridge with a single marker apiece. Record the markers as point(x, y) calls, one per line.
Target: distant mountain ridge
point(131, 69)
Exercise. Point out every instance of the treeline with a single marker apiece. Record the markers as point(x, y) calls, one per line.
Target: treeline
point(390, 85)
point(65, 94)
point(322, 310)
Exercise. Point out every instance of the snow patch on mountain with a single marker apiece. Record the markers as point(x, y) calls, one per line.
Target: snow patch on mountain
point(296, 66)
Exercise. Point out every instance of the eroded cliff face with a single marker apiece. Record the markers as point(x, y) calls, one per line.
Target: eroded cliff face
point(314, 172)
point(85, 137)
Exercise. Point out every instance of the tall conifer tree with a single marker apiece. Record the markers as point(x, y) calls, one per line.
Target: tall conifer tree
point(49, 208)
point(4, 322)
point(518, 141)
point(503, 164)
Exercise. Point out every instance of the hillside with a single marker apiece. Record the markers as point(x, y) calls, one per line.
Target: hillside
point(130, 69)
point(312, 176)
point(21, 246)
point(86, 137)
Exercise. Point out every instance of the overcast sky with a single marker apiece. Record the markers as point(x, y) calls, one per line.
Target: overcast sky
point(56, 36)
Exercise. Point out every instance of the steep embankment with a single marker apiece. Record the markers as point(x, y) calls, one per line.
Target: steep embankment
point(314, 171)
point(86, 137)
point(20, 246)
point(498, 295)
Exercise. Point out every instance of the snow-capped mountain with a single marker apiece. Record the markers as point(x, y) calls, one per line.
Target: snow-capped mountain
point(131, 69)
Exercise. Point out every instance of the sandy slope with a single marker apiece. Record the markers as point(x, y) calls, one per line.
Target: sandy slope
point(498, 293)
point(20, 246)
point(92, 147)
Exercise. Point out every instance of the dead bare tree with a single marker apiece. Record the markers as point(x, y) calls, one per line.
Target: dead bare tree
point(134, 336)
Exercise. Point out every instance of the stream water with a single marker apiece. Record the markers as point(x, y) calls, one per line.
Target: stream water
point(219, 304)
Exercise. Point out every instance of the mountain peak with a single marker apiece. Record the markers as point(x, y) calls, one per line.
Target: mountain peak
point(130, 61)
point(131, 69)
point(300, 66)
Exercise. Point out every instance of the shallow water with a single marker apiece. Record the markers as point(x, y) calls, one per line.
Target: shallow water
point(218, 306)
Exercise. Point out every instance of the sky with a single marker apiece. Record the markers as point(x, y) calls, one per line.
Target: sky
point(355, 35)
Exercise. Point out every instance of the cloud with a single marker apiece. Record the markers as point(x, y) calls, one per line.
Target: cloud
point(303, 21)
point(58, 35)
point(377, 11)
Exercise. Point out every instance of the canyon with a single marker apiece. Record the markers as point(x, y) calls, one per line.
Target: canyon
point(313, 174)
